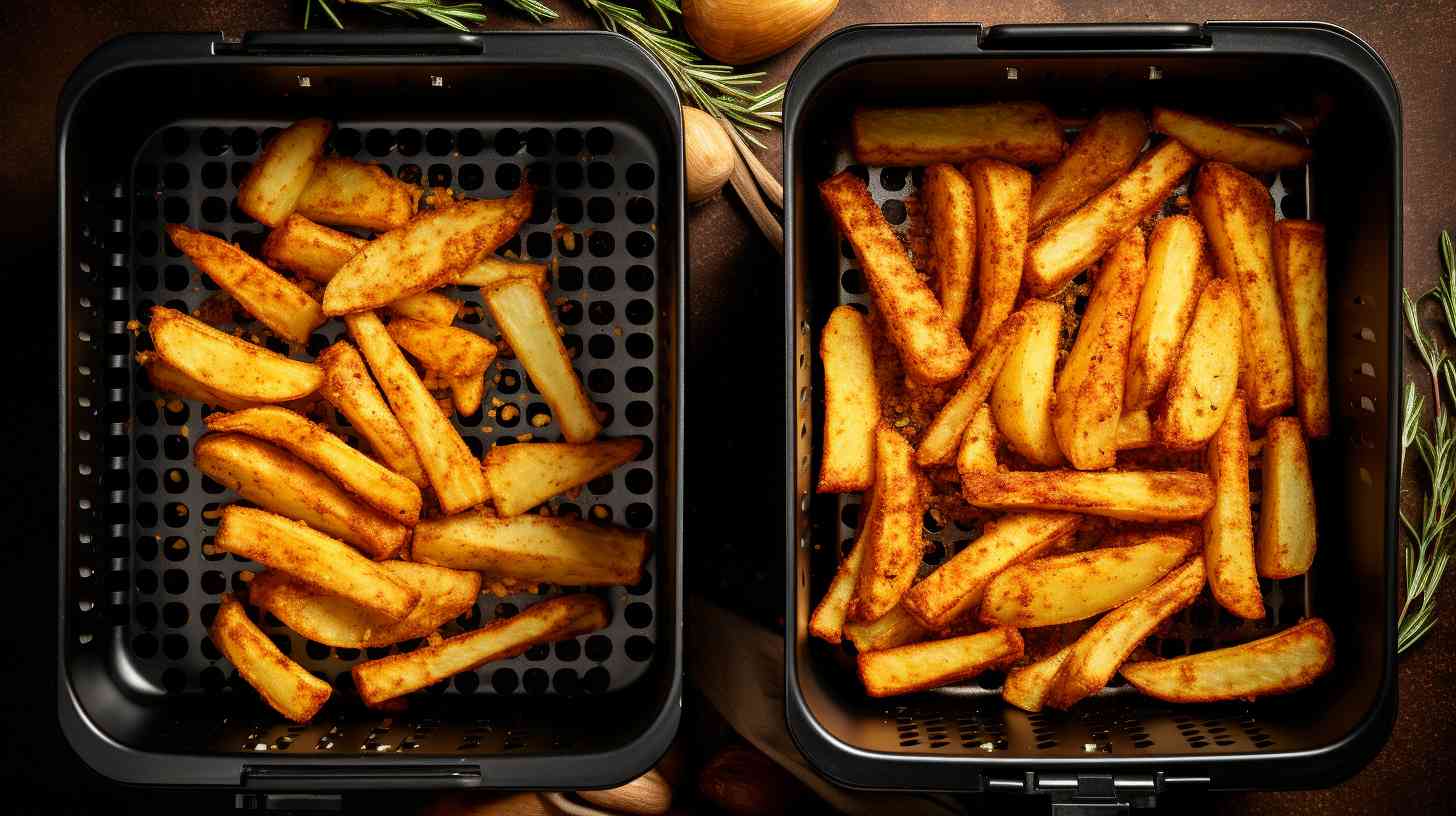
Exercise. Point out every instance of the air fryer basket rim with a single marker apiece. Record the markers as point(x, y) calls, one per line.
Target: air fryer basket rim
point(598, 50)
point(856, 767)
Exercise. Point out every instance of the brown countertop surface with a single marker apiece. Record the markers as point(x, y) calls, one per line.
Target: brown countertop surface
point(736, 281)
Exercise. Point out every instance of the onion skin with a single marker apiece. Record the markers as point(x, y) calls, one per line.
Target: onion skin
point(708, 155)
point(737, 32)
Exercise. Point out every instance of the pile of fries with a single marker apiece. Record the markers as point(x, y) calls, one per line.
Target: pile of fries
point(332, 522)
point(1111, 477)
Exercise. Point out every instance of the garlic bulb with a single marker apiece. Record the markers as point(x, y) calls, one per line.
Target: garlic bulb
point(736, 32)
point(708, 155)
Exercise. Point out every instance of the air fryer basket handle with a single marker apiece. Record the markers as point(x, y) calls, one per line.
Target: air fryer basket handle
point(1093, 37)
point(352, 43)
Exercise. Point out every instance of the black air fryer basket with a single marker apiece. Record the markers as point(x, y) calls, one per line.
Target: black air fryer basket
point(1306, 80)
point(159, 129)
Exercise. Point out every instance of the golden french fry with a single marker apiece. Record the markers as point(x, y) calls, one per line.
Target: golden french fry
point(893, 548)
point(1206, 373)
point(428, 307)
point(282, 683)
point(941, 440)
point(1286, 514)
point(1228, 530)
point(168, 380)
point(1142, 495)
point(851, 403)
point(227, 364)
point(524, 475)
point(550, 549)
point(930, 346)
point(1134, 430)
point(950, 211)
point(452, 351)
point(1003, 194)
point(312, 250)
point(1102, 151)
point(348, 387)
point(490, 270)
point(274, 300)
point(978, 444)
point(1021, 400)
point(1299, 265)
point(277, 181)
point(1217, 141)
point(828, 620)
point(1178, 269)
point(351, 194)
point(921, 666)
point(1020, 132)
point(894, 628)
point(1277, 664)
point(524, 319)
point(1026, 686)
point(467, 393)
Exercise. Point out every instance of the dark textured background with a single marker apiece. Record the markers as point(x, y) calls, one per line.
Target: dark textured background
point(736, 280)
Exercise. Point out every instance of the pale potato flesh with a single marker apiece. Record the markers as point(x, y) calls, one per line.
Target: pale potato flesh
point(851, 403)
point(1141, 495)
point(1218, 141)
point(1299, 265)
point(1021, 400)
point(523, 476)
point(168, 380)
point(311, 250)
point(349, 388)
point(894, 628)
point(276, 182)
point(274, 300)
point(1287, 529)
point(940, 441)
point(227, 364)
point(828, 619)
point(1206, 374)
point(950, 210)
point(283, 684)
point(1026, 686)
point(1228, 529)
point(893, 548)
point(549, 549)
point(429, 307)
point(1003, 197)
point(524, 319)
point(1020, 132)
point(1102, 152)
point(1134, 430)
point(1277, 664)
point(1178, 269)
point(978, 444)
point(351, 194)
point(454, 352)
point(921, 666)
point(491, 270)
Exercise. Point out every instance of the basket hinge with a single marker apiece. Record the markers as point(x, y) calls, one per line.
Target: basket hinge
point(1093, 794)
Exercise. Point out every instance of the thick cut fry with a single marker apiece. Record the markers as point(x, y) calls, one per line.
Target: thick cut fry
point(1277, 664)
point(1104, 150)
point(957, 586)
point(921, 666)
point(1021, 401)
point(428, 307)
point(1073, 587)
point(1018, 132)
point(1286, 513)
point(1205, 376)
point(312, 250)
point(1144, 495)
point(1228, 530)
point(348, 387)
point(894, 628)
point(274, 185)
point(941, 440)
point(551, 549)
point(168, 380)
point(950, 210)
point(449, 350)
point(360, 475)
point(445, 594)
point(931, 347)
point(274, 300)
point(1072, 244)
point(467, 393)
point(350, 194)
point(893, 548)
point(524, 319)
point(429, 251)
point(555, 619)
point(1238, 216)
point(1089, 389)
point(276, 480)
point(447, 461)
point(282, 683)
point(1178, 269)
point(314, 558)
point(522, 476)
point(828, 620)
point(851, 403)
point(490, 270)
point(1217, 141)
point(978, 444)
point(1134, 430)
point(227, 364)
point(1095, 657)
point(1026, 686)
point(1299, 264)
point(1003, 194)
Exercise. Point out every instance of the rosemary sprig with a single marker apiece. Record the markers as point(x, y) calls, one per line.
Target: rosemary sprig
point(454, 15)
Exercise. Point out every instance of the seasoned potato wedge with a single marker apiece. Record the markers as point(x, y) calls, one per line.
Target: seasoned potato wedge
point(1228, 530)
point(1299, 265)
point(1089, 388)
point(851, 403)
point(1096, 656)
point(312, 250)
point(893, 547)
point(828, 619)
point(524, 319)
point(348, 387)
point(489, 270)
point(941, 440)
point(1003, 196)
point(1019, 132)
point(1286, 513)
point(283, 684)
point(1218, 141)
point(227, 364)
point(351, 194)
point(273, 187)
point(894, 628)
point(1073, 243)
point(1206, 374)
point(274, 300)
point(978, 444)
point(427, 307)
point(1141, 495)
point(1277, 664)
point(950, 211)
point(1238, 216)
point(168, 380)
point(921, 666)
point(1026, 686)
point(445, 594)
point(522, 476)
point(449, 350)
point(1134, 430)
point(931, 347)
point(1178, 269)
point(956, 587)
point(467, 393)
point(1021, 400)
point(550, 549)
point(1102, 152)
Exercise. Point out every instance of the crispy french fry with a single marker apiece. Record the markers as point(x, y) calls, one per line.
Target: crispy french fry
point(429, 251)
point(921, 666)
point(550, 549)
point(1020, 132)
point(828, 619)
point(524, 319)
point(375, 484)
point(348, 387)
point(893, 547)
point(467, 393)
point(1102, 152)
point(1021, 400)
point(1096, 656)
point(274, 300)
point(558, 618)
point(312, 250)
point(1134, 430)
point(1073, 587)
point(894, 628)
point(1299, 265)
point(1003, 194)
point(452, 351)
point(351, 194)
point(277, 181)
point(1089, 388)
point(950, 210)
point(490, 270)
point(312, 557)
point(427, 307)
point(227, 364)
point(1026, 686)
point(851, 403)
point(1072, 244)
point(1178, 269)
point(1206, 373)
point(1286, 514)
point(522, 476)
point(1143, 495)
point(1217, 141)
point(957, 586)
point(447, 461)
point(1228, 530)
point(168, 380)
point(1238, 216)
point(282, 683)
point(940, 441)
point(445, 594)
point(1277, 664)
point(978, 444)
point(930, 346)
